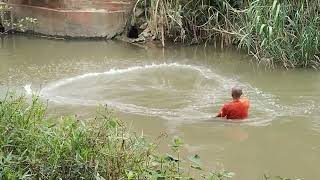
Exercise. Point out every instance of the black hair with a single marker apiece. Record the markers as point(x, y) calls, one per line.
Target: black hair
point(236, 92)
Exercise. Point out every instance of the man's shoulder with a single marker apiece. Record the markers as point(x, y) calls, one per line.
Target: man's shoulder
point(244, 100)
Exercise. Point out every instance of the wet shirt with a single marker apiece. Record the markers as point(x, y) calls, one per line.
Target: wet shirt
point(237, 109)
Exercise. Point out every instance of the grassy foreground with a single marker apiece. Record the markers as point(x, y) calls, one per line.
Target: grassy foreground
point(35, 147)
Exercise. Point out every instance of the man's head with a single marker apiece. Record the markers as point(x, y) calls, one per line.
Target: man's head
point(236, 92)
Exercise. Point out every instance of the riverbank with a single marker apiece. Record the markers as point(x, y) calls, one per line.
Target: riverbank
point(273, 32)
point(284, 33)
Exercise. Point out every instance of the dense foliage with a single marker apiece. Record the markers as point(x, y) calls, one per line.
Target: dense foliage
point(35, 147)
point(9, 23)
point(273, 31)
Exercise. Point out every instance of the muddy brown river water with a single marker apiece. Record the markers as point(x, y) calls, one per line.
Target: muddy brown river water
point(178, 91)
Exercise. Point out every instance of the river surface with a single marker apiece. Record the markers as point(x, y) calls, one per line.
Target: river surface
point(178, 91)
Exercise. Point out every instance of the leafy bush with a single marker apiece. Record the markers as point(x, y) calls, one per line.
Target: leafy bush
point(9, 23)
point(35, 147)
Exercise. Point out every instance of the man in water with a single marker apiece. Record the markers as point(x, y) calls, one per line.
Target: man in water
point(237, 108)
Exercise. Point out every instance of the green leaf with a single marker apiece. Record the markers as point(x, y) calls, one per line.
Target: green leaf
point(176, 144)
point(113, 123)
point(229, 174)
point(195, 159)
point(270, 31)
point(177, 141)
point(258, 19)
point(262, 28)
point(274, 5)
point(278, 10)
point(196, 167)
point(170, 157)
point(263, 43)
point(130, 175)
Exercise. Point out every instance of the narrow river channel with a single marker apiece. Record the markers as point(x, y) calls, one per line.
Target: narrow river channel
point(178, 91)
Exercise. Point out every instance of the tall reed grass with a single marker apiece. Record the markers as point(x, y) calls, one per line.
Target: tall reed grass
point(190, 21)
point(284, 32)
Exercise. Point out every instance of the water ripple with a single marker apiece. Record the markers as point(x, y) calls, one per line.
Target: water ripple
point(199, 103)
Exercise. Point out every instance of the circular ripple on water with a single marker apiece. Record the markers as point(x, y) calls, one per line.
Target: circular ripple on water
point(172, 91)
point(166, 90)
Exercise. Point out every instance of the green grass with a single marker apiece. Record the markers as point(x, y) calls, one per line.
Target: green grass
point(33, 146)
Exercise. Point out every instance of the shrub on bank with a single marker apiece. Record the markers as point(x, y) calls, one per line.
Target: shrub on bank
point(35, 147)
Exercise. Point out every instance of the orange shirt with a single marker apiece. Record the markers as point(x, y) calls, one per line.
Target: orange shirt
point(237, 109)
